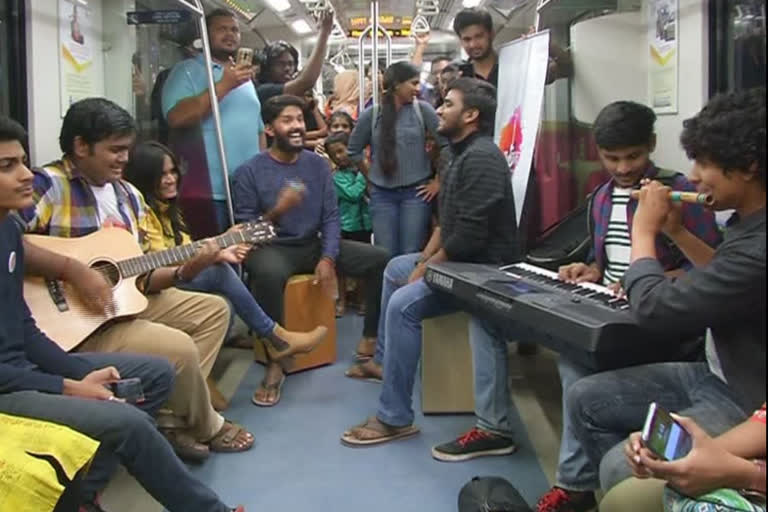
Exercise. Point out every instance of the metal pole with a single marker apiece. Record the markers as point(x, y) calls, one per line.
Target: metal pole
point(361, 67)
point(199, 10)
point(388, 41)
point(375, 50)
point(215, 112)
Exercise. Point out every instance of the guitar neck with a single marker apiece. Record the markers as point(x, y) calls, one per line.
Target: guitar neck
point(170, 257)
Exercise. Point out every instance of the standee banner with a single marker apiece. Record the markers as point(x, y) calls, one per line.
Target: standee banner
point(663, 55)
point(522, 73)
point(75, 53)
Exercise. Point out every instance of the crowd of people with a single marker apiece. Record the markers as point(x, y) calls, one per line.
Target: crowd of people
point(332, 181)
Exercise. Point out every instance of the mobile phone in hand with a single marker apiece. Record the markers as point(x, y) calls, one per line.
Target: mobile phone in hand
point(665, 437)
point(129, 390)
point(244, 57)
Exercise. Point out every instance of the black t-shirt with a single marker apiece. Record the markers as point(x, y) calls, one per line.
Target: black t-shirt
point(493, 76)
point(309, 120)
point(269, 90)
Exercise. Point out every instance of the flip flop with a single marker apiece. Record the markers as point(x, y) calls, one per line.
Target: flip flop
point(278, 386)
point(359, 372)
point(363, 435)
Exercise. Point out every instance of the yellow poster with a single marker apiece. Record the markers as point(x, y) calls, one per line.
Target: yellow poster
point(75, 53)
point(663, 55)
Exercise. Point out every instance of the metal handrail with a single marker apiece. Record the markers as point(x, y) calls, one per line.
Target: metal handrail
point(373, 28)
point(198, 9)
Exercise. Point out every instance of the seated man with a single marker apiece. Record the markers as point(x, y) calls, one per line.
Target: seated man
point(83, 192)
point(725, 293)
point(718, 474)
point(624, 133)
point(39, 380)
point(257, 185)
point(477, 224)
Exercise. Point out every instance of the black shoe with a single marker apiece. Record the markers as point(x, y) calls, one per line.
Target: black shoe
point(473, 444)
point(562, 500)
point(527, 349)
point(91, 507)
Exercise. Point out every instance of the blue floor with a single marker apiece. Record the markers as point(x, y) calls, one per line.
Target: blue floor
point(298, 462)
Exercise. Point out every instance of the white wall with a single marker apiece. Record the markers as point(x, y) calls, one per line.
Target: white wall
point(43, 75)
point(611, 63)
point(114, 43)
point(693, 83)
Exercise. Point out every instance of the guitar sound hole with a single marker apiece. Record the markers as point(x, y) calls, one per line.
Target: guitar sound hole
point(108, 270)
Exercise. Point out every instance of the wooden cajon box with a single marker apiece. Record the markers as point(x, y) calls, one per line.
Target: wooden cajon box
point(447, 379)
point(306, 306)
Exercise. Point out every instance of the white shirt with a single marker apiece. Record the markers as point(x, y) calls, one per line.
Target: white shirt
point(618, 244)
point(108, 209)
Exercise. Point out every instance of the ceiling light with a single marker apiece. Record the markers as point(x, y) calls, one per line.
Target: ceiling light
point(471, 3)
point(301, 27)
point(279, 5)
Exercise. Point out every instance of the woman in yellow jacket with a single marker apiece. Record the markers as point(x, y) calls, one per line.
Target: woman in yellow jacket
point(154, 170)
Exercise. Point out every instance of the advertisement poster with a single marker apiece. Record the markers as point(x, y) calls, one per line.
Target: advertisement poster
point(522, 70)
point(76, 53)
point(662, 69)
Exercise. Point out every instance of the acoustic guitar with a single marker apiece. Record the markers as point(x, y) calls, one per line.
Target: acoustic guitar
point(116, 255)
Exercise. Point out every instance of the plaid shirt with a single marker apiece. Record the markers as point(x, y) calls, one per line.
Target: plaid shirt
point(66, 207)
point(698, 220)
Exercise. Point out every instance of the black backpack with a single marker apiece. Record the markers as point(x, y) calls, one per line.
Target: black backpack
point(491, 494)
point(570, 239)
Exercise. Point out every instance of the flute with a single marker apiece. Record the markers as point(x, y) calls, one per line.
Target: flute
point(683, 197)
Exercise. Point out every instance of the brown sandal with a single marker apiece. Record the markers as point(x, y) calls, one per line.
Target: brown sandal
point(373, 432)
point(226, 441)
point(185, 446)
point(361, 372)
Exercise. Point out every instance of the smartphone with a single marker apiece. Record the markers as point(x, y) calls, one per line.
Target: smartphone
point(129, 390)
point(244, 57)
point(467, 69)
point(665, 437)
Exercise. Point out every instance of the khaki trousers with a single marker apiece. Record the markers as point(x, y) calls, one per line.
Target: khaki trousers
point(635, 495)
point(187, 329)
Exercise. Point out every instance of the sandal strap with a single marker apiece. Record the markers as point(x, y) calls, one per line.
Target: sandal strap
point(231, 433)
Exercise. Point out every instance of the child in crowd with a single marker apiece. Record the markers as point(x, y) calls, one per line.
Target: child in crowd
point(351, 186)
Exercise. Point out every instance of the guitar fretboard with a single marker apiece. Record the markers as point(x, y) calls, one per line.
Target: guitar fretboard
point(154, 260)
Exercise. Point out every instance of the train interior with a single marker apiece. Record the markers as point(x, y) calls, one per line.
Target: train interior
point(297, 462)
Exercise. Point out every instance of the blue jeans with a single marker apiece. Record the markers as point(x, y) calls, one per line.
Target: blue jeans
point(490, 358)
point(400, 219)
point(605, 408)
point(127, 434)
point(574, 471)
point(403, 307)
point(222, 280)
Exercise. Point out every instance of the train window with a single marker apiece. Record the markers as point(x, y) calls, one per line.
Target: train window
point(737, 45)
point(13, 98)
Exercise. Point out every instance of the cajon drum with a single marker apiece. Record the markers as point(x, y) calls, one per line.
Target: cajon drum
point(447, 379)
point(306, 306)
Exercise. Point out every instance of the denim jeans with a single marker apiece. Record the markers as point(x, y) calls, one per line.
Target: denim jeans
point(574, 471)
point(127, 434)
point(490, 358)
point(403, 307)
point(605, 408)
point(400, 219)
point(222, 280)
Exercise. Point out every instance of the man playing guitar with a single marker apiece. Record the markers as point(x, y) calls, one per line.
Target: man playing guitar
point(80, 194)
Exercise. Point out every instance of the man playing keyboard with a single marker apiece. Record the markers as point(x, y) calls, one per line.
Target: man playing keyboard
point(625, 138)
